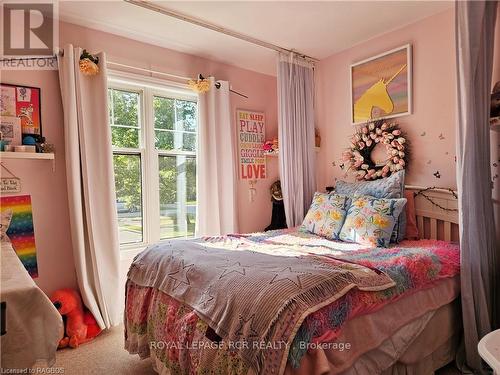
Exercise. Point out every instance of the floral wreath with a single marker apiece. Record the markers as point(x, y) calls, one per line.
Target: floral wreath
point(358, 156)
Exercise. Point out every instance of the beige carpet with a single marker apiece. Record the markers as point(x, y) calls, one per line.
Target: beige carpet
point(105, 355)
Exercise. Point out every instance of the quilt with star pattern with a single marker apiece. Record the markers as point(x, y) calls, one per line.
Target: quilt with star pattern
point(245, 303)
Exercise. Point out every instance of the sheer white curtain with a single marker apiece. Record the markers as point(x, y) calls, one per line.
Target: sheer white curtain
point(296, 136)
point(217, 176)
point(91, 186)
point(480, 250)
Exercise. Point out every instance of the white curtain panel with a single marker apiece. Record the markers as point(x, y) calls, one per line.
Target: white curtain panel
point(91, 186)
point(216, 163)
point(296, 136)
point(480, 250)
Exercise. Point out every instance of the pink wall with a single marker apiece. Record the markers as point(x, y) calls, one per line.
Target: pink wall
point(48, 189)
point(433, 101)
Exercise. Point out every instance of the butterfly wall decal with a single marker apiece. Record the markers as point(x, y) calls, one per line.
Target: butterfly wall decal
point(437, 174)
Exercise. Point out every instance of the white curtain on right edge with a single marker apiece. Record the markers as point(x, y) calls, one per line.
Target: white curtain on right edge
point(216, 210)
point(296, 135)
point(479, 249)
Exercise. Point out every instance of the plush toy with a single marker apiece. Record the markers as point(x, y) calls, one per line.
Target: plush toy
point(81, 325)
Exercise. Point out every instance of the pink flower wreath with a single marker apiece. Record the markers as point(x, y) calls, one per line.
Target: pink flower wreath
point(357, 157)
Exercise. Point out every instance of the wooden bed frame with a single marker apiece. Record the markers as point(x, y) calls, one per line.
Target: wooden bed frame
point(432, 221)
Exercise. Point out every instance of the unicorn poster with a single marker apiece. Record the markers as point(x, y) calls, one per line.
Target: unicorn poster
point(381, 86)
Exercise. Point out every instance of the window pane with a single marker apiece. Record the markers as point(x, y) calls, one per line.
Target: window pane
point(189, 142)
point(177, 196)
point(164, 140)
point(186, 113)
point(125, 108)
point(164, 113)
point(125, 137)
point(172, 140)
point(128, 197)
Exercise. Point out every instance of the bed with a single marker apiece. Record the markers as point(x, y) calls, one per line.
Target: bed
point(373, 310)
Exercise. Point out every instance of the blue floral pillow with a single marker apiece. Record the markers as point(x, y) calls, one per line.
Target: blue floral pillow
point(390, 187)
point(370, 220)
point(326, 215)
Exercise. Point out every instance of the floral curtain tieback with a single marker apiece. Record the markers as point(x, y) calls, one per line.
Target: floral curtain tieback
point(199, 85)
point(89, 64)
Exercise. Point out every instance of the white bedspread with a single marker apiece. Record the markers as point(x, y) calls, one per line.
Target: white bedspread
point(33, 325)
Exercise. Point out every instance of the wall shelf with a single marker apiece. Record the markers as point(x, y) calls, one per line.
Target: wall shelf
point(27, 155)
point(275, 154)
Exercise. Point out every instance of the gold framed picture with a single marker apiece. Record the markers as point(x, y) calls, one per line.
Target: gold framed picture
point(381, 86)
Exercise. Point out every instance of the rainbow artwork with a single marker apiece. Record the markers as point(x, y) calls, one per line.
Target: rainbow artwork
point(21, 231)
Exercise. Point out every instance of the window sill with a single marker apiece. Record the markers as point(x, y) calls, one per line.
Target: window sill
point(128, 252)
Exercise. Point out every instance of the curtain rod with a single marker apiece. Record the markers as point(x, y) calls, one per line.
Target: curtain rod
point(198, 22)
point(169, 75)
point(124, 66)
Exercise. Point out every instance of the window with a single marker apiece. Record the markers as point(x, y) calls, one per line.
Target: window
point(154, 136)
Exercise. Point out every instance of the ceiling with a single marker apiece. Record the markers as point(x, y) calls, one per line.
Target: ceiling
point(318, 29)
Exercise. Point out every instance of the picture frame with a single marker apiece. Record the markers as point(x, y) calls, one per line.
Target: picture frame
point(10, 129)
point(23, 102)
point(381, 86)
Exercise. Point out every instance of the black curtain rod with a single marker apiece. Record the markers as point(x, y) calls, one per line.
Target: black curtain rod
point(238, 93)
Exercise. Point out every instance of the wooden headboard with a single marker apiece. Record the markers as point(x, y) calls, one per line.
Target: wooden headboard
point(434, 222)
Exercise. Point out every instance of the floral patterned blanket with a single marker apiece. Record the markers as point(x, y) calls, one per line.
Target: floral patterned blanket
point(159, 325)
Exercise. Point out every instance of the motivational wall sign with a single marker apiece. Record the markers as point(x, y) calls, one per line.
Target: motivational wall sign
point(251, 137)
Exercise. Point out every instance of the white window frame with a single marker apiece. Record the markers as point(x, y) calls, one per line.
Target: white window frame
point(149, 87)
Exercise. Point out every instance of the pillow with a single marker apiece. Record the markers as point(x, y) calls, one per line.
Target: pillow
point(370, 220)
point(390, 187)
point(411, 217)
point(326, 215)
point(4, 225)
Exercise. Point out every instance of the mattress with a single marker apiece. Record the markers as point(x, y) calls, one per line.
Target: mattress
point(424, 273)
point(404, 332)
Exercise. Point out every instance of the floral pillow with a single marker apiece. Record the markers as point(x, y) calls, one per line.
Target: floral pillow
point(4, 225)
point(326, 215)
point(390, 187)
point(370, 220)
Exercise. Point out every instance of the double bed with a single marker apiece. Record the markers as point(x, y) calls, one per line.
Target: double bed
point(318, 307)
